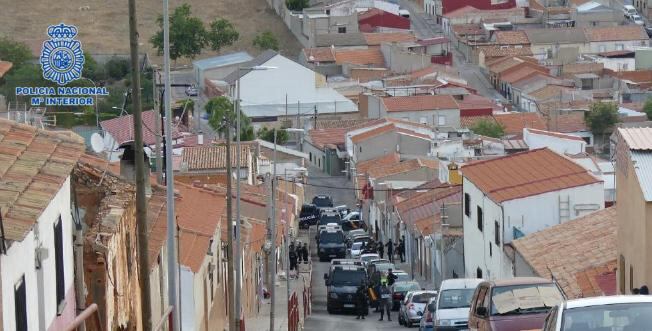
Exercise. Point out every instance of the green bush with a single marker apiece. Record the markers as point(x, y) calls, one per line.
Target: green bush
point(117, 68)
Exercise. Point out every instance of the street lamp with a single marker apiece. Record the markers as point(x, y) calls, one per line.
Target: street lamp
point(236, 246)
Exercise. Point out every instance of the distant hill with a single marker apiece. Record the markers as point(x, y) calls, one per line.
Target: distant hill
point(104, 24)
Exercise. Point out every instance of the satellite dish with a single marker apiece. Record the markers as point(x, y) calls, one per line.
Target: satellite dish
point(97, 143)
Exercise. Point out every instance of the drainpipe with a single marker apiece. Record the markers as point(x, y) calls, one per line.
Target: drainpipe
point(80, 293)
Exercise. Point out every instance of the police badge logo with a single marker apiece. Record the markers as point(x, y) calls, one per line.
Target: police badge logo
point(62, 57)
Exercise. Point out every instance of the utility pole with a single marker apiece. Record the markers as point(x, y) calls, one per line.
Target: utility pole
point(172, 238)
point(315, 116)
point(443, 217)
point(158, 133)
point(229, 227)
point(141, 199)
point(237, 251)
point(272, 269)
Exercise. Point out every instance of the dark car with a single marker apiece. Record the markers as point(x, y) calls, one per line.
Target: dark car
point(309, 216)
point(342, 282)
point(399, 289)
point(326, 218)
point(331, 245)
point(520, 303)
point(349, 225)
point(322, 201)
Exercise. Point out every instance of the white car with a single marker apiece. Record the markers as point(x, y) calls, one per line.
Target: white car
point(620, 312)
point(451, 308)
point(637, 19)
point(355, 250)
point(368, 257)
point(413, 306)
point(354, 215)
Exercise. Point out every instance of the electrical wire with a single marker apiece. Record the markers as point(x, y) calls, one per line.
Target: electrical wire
point(375, 190)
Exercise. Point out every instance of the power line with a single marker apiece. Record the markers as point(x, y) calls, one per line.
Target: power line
point(375, 190)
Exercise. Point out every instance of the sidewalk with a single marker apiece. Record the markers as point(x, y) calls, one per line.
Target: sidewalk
point(261, 321)
point(405, 266)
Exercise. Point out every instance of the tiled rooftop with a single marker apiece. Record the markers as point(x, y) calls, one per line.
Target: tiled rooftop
point(319, 54)
point(401, 167)
point(336, 136)
point(373, 133)
point(34, 164)
point(639, 139)
point(496, 51)
point(419, 103)
point(376, 38)
point(470, 121)
point(363, 166)
point(514, 123)
point(616, 33)
point(122, 128)
point(212, 157)
point(555, 134)
point(571, 249)
point(511, 37)
point(526, 174)
point(566, 123)
point(365, 57)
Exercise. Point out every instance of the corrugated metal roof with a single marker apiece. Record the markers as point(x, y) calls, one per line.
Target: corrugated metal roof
point(643, 167)
point(637, 138)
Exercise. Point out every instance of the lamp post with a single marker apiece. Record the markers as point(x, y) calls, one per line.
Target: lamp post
point(272, 268)
point(236, 246)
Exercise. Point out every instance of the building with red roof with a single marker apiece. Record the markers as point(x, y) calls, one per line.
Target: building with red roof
point(376, 19)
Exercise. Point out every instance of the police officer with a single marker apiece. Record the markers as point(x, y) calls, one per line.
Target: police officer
point(304, 252)
point(385, 301)
point(361, 305)
point(381, 251)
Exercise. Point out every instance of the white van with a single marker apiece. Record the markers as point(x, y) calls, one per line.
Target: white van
point(454, 301)
point(629, 10)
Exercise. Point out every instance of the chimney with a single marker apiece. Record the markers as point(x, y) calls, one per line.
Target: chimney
point(128, 167)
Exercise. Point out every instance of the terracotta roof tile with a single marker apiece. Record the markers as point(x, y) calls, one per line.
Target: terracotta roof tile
point(201, 158)
point(122, 128)
point(372, 133)
point(470, 121)
point(401, 167)
point(579, 68)
point(566, 123)
point(617, 33)
point(495, 51)
point(576, 252)
point(344, 123)
point(548, 92)
point(419, 103)
point(526, 174)
point(363, 166)
point(337, 135)
point(34, 164)
point(376, 38)
point(4, 67)
point(511, 38)
point(514, 123)
point(474, 101)
point(512, 76)
point(370, 56)
point(319, 54)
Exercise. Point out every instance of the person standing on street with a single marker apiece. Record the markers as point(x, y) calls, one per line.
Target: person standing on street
point(361, 305)
point(304, 252)
point(401, 249)
point(385, 300)
point(297, 250)
point(390, 250)
point(293, 260)
point(381, 251)
point(391, 277)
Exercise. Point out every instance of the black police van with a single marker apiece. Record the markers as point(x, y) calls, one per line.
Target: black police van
point(342, 281)
point(331, 244)
point(309, 216)
point(322, 201)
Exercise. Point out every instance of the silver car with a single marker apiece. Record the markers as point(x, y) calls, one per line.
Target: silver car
point(413, 307)
point(621, 312)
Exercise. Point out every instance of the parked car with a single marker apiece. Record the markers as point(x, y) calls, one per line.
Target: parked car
point(402, 276)
point(326, 218)
point(368, 257)
point(348, 225)
point(426, 323)
point(352, 216)
point(622, 312)
point(520, 303)
point(192, 91)
point(629, 10)
point(637, 19)
point(308, 216)
point(360, 238)
point(451, 308)
point(400, 289)
point(322, 201)
point(353, 233)
point(412, 307)
point(355, 250)
point(331, 244)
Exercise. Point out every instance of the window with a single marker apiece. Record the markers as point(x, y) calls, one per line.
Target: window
point(481, 296)
point(480, 220)
point(550, 323)
point(478, 273)
point(491, 251)
point(423, 120)
point(441, 120)
point(497, 233)
point(631, 277)
point(467, 204)
point(20, 305)
point(602, 48)
point(621, 274)
point(310, 154)
point(360, 149)
point(341, 29)
point(620, 47)
point(58, 259)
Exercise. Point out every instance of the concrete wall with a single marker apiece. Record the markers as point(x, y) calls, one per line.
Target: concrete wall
point(316, 155)
point(559, 145)
point(375, 147)
point(402, 61)
point(450, 120)
point(40, 283)
point(609, 46)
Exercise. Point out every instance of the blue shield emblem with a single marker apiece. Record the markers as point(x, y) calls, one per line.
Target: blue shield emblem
point(62, 57)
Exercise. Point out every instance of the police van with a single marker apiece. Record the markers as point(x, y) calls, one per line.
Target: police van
point(342, 282)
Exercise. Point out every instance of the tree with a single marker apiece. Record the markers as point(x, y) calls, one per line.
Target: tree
point(266, 40)
point(221, 111)
point(602, 117)
point(14, 51)
point(28, 75)
point(647, 108)
point(221, 33)
point(488, 128)
point(117, 68)
point(268, 135)
point(93, 70)
point(296, 5)
point(187, 34)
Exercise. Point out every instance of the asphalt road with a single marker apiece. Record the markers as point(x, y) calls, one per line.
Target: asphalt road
point(321, 320)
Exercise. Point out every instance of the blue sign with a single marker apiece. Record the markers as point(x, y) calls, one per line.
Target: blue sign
point(62, 57)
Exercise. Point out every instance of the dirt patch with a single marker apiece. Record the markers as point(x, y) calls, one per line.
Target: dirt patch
point(104, 24)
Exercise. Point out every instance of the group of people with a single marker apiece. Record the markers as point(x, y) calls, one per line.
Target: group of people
point(642, 291)
point(393, 250)
point(298, 254)
point(382, 295)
